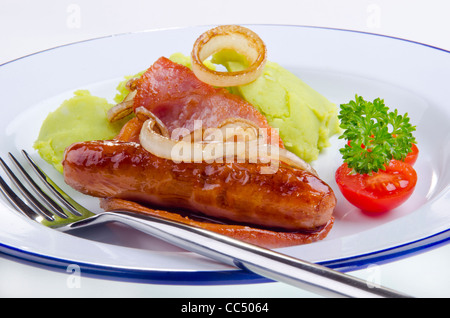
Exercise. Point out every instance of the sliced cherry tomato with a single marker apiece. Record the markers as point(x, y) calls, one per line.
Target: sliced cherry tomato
point(380, 191)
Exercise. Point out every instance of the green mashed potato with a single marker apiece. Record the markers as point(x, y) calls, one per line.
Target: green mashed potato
point(305, 118)
point(80, 118)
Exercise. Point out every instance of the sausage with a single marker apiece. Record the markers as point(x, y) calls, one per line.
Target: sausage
point(289, 199)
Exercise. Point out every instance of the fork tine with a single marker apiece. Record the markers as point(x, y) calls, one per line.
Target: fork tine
point(69, 203)
point(49, 201)
point(17, 202)
point(14, 199)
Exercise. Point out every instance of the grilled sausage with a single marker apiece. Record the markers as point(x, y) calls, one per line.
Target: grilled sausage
point(289, 199)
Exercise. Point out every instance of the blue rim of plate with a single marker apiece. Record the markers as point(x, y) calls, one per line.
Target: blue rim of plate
point(225, 277)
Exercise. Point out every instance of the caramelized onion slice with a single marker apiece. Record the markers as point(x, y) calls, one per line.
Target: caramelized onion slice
point(253, 150)
point(238, 38)
point(125, 107)
point(157, 125)
point(163, 147)
point(234, 129)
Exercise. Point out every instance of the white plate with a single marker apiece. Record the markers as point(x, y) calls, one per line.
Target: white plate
point(409, 76)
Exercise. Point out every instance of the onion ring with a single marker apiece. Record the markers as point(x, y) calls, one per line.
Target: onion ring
point(238, 38)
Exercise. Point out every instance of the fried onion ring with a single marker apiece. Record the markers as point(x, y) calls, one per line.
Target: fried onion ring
point(238, 38)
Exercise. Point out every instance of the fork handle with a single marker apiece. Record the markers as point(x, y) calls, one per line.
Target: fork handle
point(267, 263)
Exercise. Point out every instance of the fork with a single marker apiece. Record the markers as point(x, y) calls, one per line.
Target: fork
point(64, 214)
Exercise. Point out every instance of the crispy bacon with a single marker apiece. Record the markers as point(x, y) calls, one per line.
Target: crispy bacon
point(173, 94)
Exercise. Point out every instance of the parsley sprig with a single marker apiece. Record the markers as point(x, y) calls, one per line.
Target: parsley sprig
point(376, 135)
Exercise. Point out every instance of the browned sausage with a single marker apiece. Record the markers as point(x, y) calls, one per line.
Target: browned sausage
point(289, 199)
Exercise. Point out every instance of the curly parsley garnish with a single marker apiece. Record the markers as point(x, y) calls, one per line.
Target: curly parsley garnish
point(375, 134)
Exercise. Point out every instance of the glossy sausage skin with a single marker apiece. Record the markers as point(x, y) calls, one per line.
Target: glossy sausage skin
point(289, 199)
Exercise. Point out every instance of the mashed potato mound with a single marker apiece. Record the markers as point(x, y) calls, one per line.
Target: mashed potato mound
point(80, 118)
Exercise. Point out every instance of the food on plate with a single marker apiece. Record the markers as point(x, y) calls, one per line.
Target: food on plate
point(80, 118)
point(232, 173)
point(305, 118)
point(178, 98)
point(182, 100)
point(304, 127)
point(281, 204)
point(288, 200)
point(377, 174)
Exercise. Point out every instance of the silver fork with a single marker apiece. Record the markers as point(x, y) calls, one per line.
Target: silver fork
point(68, 214)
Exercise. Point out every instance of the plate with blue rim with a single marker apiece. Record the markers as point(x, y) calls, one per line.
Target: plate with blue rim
point(409, 76)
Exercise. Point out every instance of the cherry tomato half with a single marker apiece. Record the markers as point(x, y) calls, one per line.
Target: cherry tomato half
point(377, 192)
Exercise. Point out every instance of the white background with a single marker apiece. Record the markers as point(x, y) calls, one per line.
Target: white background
point(30, 26)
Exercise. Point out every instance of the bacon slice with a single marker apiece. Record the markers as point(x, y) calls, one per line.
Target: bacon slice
point(172, 92)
